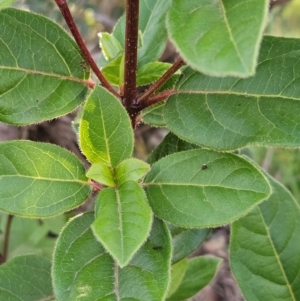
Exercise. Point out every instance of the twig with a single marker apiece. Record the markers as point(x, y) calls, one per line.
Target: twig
point(131, 42)
point(6, 239)
point(156, 99)
point(144, 97)
point(64, 8)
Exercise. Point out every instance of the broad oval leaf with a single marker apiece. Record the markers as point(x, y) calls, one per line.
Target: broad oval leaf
point(200, 271)
point(40, 180)
point(42, 73)
point(218, 37)
point(102, 174)
point(265, 249)
point(123, 220)
point(105, 129)
point(229, 113)
point(201, 188)
point(26, 278)
point(83, 269)
point(186, 241)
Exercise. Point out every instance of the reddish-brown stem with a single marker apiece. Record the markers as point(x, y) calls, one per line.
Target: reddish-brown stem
point(145, 97)
point(64, 8)
point(131, 42)
point(156, 99)
point(95, 186)
point(6, 239)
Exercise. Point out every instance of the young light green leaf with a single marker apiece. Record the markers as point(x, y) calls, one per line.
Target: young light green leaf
point(110, 46)
point(151, 72)
point(26, 278)
point(82, 268)
point(123, 220)
point(186, 241)
point(130, 170)
point(170, 145)
point(102, 174)
point(5, 3)
point(229, 113)
point(42, 72)
point(40, 180)
point(200, 271)
point(114, 71)
point(201, 188)
point(177, 274)
point(265, 249)
point(218, 37)
point(153, 28)
point(105, 130)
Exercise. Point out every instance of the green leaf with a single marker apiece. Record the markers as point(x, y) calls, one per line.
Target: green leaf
point(151, 72)
point(201, 188)
point(170, 145)
point(42, 73)
point(178, 272)
point(218, 37)
point(265, 249)
point(83, 269)
point(5, 3)
point(123, 220)
point(229, 113)
point(200, 271)
point(114, 71)
point(186, 241)
point(130, 170)
point(153, 115)
point(105, 138)
point(153, 28)
point(110, 46)
point(26, 278)
point(102, 174)
point(40, 180)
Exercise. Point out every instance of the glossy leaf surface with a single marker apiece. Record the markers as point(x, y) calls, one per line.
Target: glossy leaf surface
point(201, 188)
point(40, 180)
point(105, 138)
point(265, 249)
point(186, 241)
point(200, 271)
point(229, 113)
point(131, 170)
point(42, 73)
point(26, 278)
point(83, 268)
point(123, 220)
point(218, 37)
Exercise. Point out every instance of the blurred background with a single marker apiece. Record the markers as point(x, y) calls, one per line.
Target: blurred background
point(92, 17)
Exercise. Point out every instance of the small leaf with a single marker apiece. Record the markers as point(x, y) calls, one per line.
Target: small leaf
point(151, 72)
point(200, 271)
point(40, 180)
point(82, 269)
point(230, 113)
point(170, 145)
point(183, 193)
point(105, 138)
point(123, 220)
point(218, 37)
point(26, 278)
point(42, 72)
point(178, 272)
point(186, 241)
point(102, 174)
point(265, 249)
point(130, 170)
point(110, 46)
point(114, 71)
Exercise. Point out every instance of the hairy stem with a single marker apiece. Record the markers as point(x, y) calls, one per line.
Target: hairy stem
point(64, 8)
point(6, 239)
point(144, 97)
point(131, 42)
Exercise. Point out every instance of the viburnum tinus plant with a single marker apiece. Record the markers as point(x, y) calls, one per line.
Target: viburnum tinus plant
point(230, 87)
